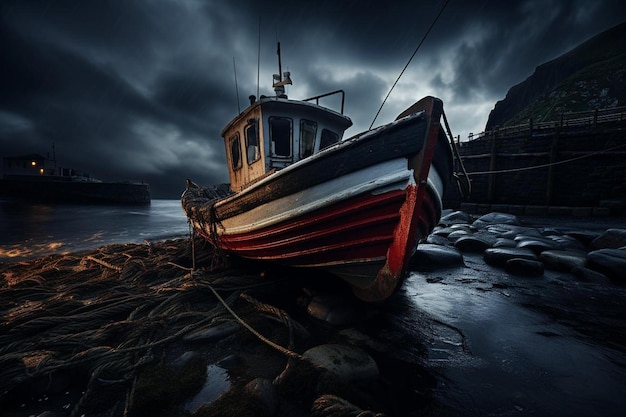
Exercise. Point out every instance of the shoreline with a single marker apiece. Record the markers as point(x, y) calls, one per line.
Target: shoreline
point(127, 330)
point(129, 324)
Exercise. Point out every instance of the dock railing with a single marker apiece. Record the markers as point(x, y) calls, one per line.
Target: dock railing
point(584, 120)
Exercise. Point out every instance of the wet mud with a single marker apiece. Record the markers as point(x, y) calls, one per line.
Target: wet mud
point(130, 330)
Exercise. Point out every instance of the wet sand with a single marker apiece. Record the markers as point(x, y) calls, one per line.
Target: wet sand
point(127, 330)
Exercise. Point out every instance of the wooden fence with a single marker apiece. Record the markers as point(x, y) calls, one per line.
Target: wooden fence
point(577, 160)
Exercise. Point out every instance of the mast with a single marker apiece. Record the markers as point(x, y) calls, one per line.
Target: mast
point(279, 83)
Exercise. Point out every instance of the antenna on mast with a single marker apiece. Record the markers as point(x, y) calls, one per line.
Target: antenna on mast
point(258, 60)
point(236, 88)
point(279, 83)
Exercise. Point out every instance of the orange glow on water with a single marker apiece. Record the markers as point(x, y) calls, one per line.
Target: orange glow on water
point(31, 250)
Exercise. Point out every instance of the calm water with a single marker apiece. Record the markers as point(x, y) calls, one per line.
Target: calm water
point(32, 230)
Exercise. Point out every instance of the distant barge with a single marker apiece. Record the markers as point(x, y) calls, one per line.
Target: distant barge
point(39, 179)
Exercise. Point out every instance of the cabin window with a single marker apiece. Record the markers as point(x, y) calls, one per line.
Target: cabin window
point(235, 151)
point(253, 152)
point(308, 130)
point(280, 136)
point(328, 138)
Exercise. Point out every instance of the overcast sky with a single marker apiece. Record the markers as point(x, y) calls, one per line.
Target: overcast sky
point(140, 90)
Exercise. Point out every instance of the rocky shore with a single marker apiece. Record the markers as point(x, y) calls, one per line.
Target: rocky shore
point(131, 330)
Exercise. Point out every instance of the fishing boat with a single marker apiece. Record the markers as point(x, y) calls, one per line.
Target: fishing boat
point(301, 196)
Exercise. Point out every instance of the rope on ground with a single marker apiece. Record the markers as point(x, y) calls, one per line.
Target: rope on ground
point(103, 263)
point(265, 340)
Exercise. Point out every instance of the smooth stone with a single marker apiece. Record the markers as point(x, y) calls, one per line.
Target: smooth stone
point(476, 242)
point(551, 231)
point(610, 262)
point(563, 260)
point(509, 231)
point(499, 256)
point(503, 242)
point(438, 240)
point(229, 362)
point(442, 231)
point(183, 360)
point(455, 217)
point(537, 245)
point(333, 406)
point(589, 275)
point(214, 333)
point(265, 392)
point(611, 239)
point(530, 236)
point(465, 227)
point(567, 242)
point(429, 257)
point(348, 363)
point(457, 234)
point(335, 309)
point(497, 218)
point(583, 236)
point(525, 267)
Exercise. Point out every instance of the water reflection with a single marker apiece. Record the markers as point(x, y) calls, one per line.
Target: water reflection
point(32, 230)
point(518, 361)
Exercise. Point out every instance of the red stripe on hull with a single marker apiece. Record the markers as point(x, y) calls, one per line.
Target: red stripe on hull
point(355, 229)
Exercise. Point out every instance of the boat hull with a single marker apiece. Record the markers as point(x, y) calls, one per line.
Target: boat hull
point(356, 210)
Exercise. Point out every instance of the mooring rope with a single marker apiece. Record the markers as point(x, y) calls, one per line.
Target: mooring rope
point(264, 339)
point(566, 161)
point(409, 61)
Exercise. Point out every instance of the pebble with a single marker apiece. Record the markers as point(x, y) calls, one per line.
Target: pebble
point(455, 217)
point(214, 333)
point(429, 257)
point(335, 309)
point(348, 363)
point(568, 242)
point(589, 275)
point(329, 405)
point(458, 234)
point(472, 243)
point(438, 240)
point(265, 392)
point(536, 245)
point(610, 262)
point(611, 239)
point(583, 236)
point(525, 267)
point(442, 231)
point(183, 360)
point(503, 242)
point(499, 256)
point(563, 260)
point(522, 250)
point(497, 218)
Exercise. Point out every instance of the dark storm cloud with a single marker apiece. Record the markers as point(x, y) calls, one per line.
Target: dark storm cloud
point(142, 89)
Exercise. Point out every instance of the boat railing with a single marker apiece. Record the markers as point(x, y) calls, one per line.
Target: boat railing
point(317, 98)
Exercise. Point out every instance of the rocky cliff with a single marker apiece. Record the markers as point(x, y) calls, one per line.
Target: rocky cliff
point(591, 76)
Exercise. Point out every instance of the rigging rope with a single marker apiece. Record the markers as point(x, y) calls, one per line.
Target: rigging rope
point(409, 61)
point(504, 171)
